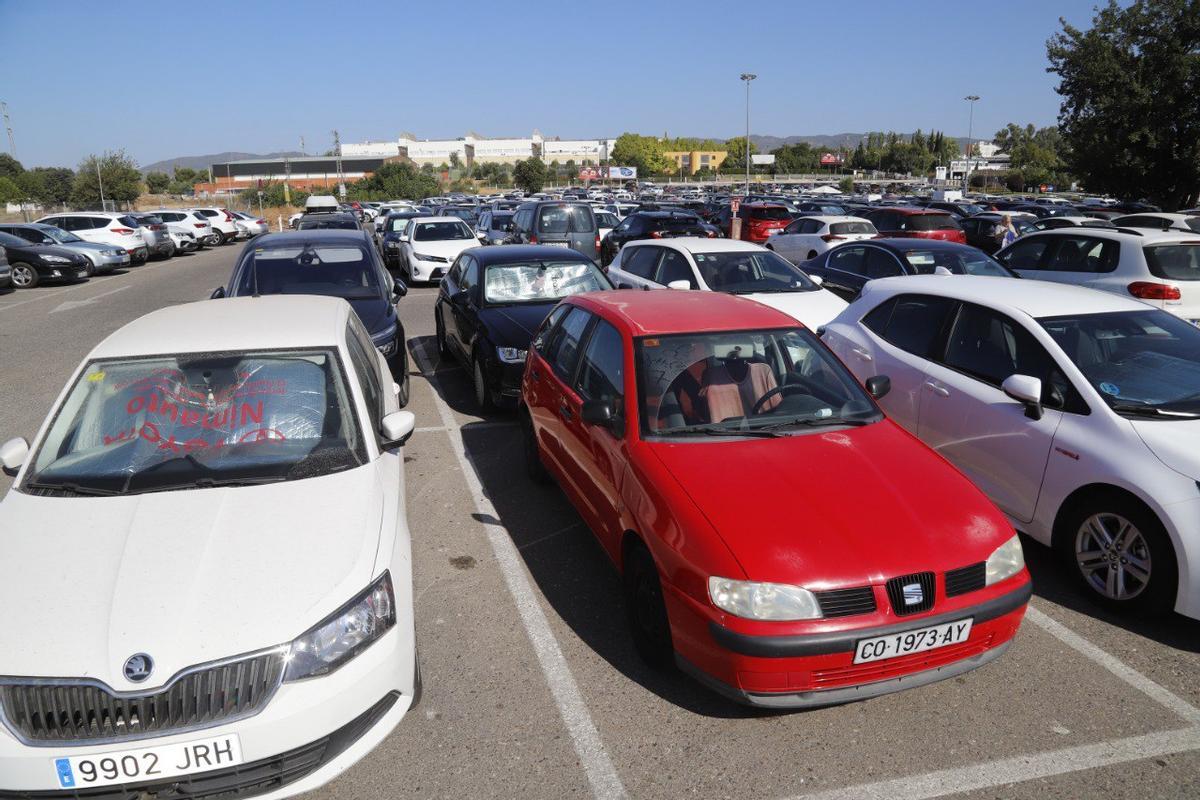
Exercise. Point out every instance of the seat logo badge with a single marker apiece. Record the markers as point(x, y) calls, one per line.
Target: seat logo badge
point(912, 594)
point(138, 667)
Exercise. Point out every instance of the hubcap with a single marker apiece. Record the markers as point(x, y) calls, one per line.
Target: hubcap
point(22, 276)
point(1113, 556)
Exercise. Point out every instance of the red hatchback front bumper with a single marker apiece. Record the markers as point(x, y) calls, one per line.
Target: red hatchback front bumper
point(818, 669)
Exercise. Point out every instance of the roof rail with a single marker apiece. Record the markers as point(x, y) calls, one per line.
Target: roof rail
point(1134, 231)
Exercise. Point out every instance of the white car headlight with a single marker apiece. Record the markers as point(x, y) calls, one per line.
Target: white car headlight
point(112, 252)
point(1005, 561)
point(392, 245)
point(422, 256)
point(770, 601)
point(511, 355)
point(344, 634)
point(56, 260)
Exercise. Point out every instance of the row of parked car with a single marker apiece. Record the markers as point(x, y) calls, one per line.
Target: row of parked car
point(77, 245)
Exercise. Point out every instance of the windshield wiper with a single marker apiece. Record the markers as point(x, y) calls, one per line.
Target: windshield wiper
point(1152, 411)
point(815, 422)
point(71, 488)
point(210, 483)
point(715, 429)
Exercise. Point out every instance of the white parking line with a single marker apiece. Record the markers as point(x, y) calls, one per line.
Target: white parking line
point(601, 774)
point(93, 282)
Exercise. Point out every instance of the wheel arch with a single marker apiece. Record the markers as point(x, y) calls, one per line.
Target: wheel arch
point(1084, 494)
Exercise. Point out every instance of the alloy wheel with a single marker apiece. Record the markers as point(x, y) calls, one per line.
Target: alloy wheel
point(23, 276)
point(1113, 556)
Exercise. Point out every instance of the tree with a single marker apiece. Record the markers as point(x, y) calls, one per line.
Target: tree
point(9, 166)
point(643, 152)
point(10, 192)
point(846, 185)
point(736, 160)
point(455, 161)
point(47, 185)
point(530, 175)
point(1129, 111)
point(157, 182)
point(122, 181)
point(799, 157)
point(395, 180)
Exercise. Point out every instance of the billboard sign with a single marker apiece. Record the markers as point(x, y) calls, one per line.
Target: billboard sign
point(589, 174)
point(831, 159)
point(767, 160)
point(622, 173)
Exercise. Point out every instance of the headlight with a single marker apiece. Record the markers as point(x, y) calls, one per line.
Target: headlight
point(56, 260)
point(422, 256)
point(346, 633)
point(1005, 561)
point(392, 245)
point(511, 355)
point(771, 601)
point(112, 252)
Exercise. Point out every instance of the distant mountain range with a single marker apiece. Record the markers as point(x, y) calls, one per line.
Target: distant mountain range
point(202, 162)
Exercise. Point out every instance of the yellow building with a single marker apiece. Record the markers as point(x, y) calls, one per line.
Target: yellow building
point(693, 161)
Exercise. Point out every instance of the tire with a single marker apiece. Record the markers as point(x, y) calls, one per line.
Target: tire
point(483, 395)
point(535, 468)
point(439, 328)
point(221, 237)
point(645, 611)
point(23, 275)
point(91, 270)
point(1132, 567)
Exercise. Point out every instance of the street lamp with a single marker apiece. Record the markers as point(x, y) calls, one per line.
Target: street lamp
point(971, 98)
point(747, 77)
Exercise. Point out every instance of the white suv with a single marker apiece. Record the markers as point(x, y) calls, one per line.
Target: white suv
point(120, 230)
point(1160, 268)
point(224, 224)
point(185, 221)
point(807, 237)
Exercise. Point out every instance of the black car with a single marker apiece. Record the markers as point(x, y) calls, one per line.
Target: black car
point(389, 237)
point(334, 263)
point(491, 303)
point(845, 269)
point(32, 264)
point(653, 225)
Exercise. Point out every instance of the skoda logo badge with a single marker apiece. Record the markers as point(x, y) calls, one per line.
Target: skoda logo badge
point(138, 667)
point(913, 594)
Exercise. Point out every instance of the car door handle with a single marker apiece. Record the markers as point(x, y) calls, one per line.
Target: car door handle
point(937, 388)
point(565, 412)
point(863, 354)
point(535, 373)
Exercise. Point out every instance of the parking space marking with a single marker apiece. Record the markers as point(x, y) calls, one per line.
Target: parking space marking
point(585, 737)
point(90, 282)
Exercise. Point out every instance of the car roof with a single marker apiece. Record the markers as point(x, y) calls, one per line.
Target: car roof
point(902, 244)
point(239, 323)
point(342, 235)
point(1131, 235)
point(446, 218)
point(665, 312)
point(1035, 298)
point(832, 218)
point(524, 252)
point(701, 244)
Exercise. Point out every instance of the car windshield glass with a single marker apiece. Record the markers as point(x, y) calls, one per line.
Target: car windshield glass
point(566, 219)
point(327, 224)
point(1175, 262)
point(1145, 358)
point(337, 270)
point(197, 420)
point(960, 261)
point(500, 220)
point(744, 381)
point(59, 235)
point(540, 281)
point(606, 219)
point(398, 224)
point(930, 222)
point(442, 231)
point(743, 272)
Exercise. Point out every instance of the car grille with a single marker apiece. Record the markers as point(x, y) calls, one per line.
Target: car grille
point(65, 711)
point(846, 602)
point(245, 780)
point(895, 591)
point(966, 579)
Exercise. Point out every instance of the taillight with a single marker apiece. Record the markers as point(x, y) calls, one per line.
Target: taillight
point(656, 234)
point(260, 222)
point(122, 230)
point(200, 224)
point(533, 238)
point(829, 237)
point(1147, 290)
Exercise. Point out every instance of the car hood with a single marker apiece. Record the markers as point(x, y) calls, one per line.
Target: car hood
point(66, 251)
point(836, 509)
point(373, 313)
point(514, 326)
point(93, 247)
point(1176, 444)
point(814, 309)
point(448, 249)
point(187, 577)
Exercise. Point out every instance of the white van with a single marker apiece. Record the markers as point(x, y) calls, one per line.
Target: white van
point(320, 203)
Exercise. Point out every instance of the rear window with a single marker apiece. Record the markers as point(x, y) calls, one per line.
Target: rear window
point(771, 212)
point(150, 219)
point(931, 222)
point(851, 227)
point(675, 224)
point(130, 222)
point(1175, 262)
point(566, 219)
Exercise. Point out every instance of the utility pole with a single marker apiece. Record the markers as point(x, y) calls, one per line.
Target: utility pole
point(103, 205)
point(302, 152)
point(287, 180)
point(337, 153)
point(971, 98)
point(747, 77)
point(12, 145)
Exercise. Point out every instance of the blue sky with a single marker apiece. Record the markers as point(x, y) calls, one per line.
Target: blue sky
point(163, 80)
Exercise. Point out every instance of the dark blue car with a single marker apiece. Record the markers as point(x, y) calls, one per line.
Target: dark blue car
point(336, 263)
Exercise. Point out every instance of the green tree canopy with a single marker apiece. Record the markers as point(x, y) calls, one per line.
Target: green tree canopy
point(10, 192)
point(736, 160)
point(396, 180)
point(9, 166)
point(47, 185)
point(643, 152)
point(157, 182)
point(530, 175)
point(122, 181)
point(1130, 113)
point(1035, 153)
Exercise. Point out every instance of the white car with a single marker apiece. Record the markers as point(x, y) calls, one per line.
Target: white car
point(182, 220)
point(249, 225)
point(1077, 412)
point(605, 222)
point(1160, 267)
point(120, 230)
point(224, 224)
point(213, 516)
point(1161, 221)
point(429, 246)
point(806, 238)
point(725, 265)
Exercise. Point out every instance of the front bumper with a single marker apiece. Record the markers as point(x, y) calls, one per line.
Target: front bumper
point(107, 263)
point(428, 270)
point(812, 670)
point(504, 380)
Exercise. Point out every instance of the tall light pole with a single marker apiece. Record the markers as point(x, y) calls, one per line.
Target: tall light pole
point(971, 98)
point(747, 77)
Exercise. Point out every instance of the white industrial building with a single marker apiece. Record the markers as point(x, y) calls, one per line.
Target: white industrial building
point(473, 149)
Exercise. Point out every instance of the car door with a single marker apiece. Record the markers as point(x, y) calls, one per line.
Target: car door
point(1027, 256)
point(845, 271)
point(674, 266)
point(1080, 260)
point(786, 241)
point(968, 419)
point(560, 407)
point(463, 323)
point(636, 268)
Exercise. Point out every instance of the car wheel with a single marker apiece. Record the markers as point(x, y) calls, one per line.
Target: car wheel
point(439, 329)
point(483, 395)
point(535, 468)
point(24, 276)
point(1120, 554)
point(645, 609)
point(91, 269)
point(221, 237)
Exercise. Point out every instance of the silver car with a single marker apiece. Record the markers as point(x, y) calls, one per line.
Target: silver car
point(155, 234)
point(104, 257)
point(253, 225)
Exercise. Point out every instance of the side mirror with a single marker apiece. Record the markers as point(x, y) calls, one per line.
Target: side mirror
point(597, 412)
point(403, 237)
point(396, 427)
point(878, 386)
point(817, 279)
point(399, 289)
point(1027, 390)
point(13, 454)
point(217, 293)
point(681, 286)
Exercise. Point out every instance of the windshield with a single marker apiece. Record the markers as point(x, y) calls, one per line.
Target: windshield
point(500, 220)
point(1135, 358)
point(327, 224)
point(770, 212)
point(462, 213)
point(606, 219)
point(59, 235)
point(540, 281)
point(398, 224)
point(1175, 262)
point(744, 381)
point(743, 272)
point(337, 270)
point(964, 261)
point(566, 219)
point(198, 420)
point(442, 231)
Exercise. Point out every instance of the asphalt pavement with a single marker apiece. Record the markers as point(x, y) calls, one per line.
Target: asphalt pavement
point(533, 690)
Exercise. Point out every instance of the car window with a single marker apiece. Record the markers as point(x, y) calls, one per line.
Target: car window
point(848, 259)
point(1084, 254)
point(602, 370)
point(364, 367)
point(881, 264)
point(847, 228)
point(540, 281)
point(566, 219)
point(675, 267)
point(469, 274)
point(749, 271)
point(1025, 255)
point(451, 229)
point(640, 261)
point(340, 270)
point(566, 344)
point(915, 323)
point(545, 333)
point(1174, 262)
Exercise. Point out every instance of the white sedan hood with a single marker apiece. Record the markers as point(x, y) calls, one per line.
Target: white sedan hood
point(1176, 444)
point(814, 309)
point(186, 577)
point(447, 249)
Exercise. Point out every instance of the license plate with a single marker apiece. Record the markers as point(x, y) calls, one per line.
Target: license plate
point(149, 763)
point(557, 244)
point(918, 641)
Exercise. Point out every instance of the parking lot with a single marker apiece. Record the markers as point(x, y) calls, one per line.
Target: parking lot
point(532, 687)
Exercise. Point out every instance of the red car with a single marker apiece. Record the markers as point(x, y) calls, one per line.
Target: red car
point(779, 538)
point(759, 221)
point(916, 223)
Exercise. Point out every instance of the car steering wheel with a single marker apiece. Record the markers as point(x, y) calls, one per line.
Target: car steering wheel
point(786, 389)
